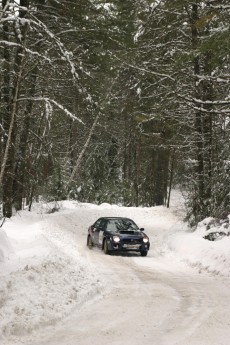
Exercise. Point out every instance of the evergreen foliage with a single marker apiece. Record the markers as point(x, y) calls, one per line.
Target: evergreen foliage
point(115, 102)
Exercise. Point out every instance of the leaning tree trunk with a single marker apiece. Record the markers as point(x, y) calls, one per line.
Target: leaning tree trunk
point(9, 117)
point(6, 122)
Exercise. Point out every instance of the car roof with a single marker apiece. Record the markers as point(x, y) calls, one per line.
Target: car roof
point(108, 218)
point(114, 218)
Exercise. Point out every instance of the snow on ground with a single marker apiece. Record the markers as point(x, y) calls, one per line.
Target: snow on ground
point(44, 276)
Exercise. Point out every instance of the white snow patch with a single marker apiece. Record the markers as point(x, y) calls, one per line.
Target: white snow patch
point(5, 246)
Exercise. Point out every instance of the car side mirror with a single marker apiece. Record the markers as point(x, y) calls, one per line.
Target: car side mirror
point(142, 229)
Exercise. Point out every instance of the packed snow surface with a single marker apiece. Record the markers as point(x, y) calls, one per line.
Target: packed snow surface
point(54, 290)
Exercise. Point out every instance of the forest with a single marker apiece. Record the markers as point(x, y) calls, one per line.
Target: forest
point(115, 102)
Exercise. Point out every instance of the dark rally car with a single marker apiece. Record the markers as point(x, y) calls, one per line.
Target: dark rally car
point(117, 234)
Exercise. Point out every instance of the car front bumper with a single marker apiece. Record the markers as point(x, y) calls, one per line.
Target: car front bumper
point(123, 246)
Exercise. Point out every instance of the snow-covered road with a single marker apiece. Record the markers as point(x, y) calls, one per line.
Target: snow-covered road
point(122, 299)
point(151, 306)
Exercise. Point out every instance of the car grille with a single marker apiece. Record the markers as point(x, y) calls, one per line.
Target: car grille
point(132, 240)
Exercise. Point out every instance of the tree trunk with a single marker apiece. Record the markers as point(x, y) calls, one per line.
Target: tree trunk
point(171, 177)
point(20, 172)
point(8, 161)
point(198, 205)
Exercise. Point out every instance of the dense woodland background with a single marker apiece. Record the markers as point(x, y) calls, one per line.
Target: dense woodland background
point(115, 102)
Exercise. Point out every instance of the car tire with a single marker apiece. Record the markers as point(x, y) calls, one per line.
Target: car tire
point(105, 247)
point(144, 253)
point(89, 242)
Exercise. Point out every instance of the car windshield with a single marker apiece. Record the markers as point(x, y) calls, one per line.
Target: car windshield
point(121, 224)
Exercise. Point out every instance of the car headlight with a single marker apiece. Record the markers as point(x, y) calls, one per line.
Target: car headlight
point(116, 239)
point(145, 239)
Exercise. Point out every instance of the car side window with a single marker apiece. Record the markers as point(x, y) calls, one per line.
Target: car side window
point(103, 224)
point(97, 224)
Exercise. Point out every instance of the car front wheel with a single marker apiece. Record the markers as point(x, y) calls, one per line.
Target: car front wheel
point(144, 253)
point(105, 247)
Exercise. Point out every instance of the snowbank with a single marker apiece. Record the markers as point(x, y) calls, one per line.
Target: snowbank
point(43, 280)
point(199, 251)
point(5, 246)
point(42, 294)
